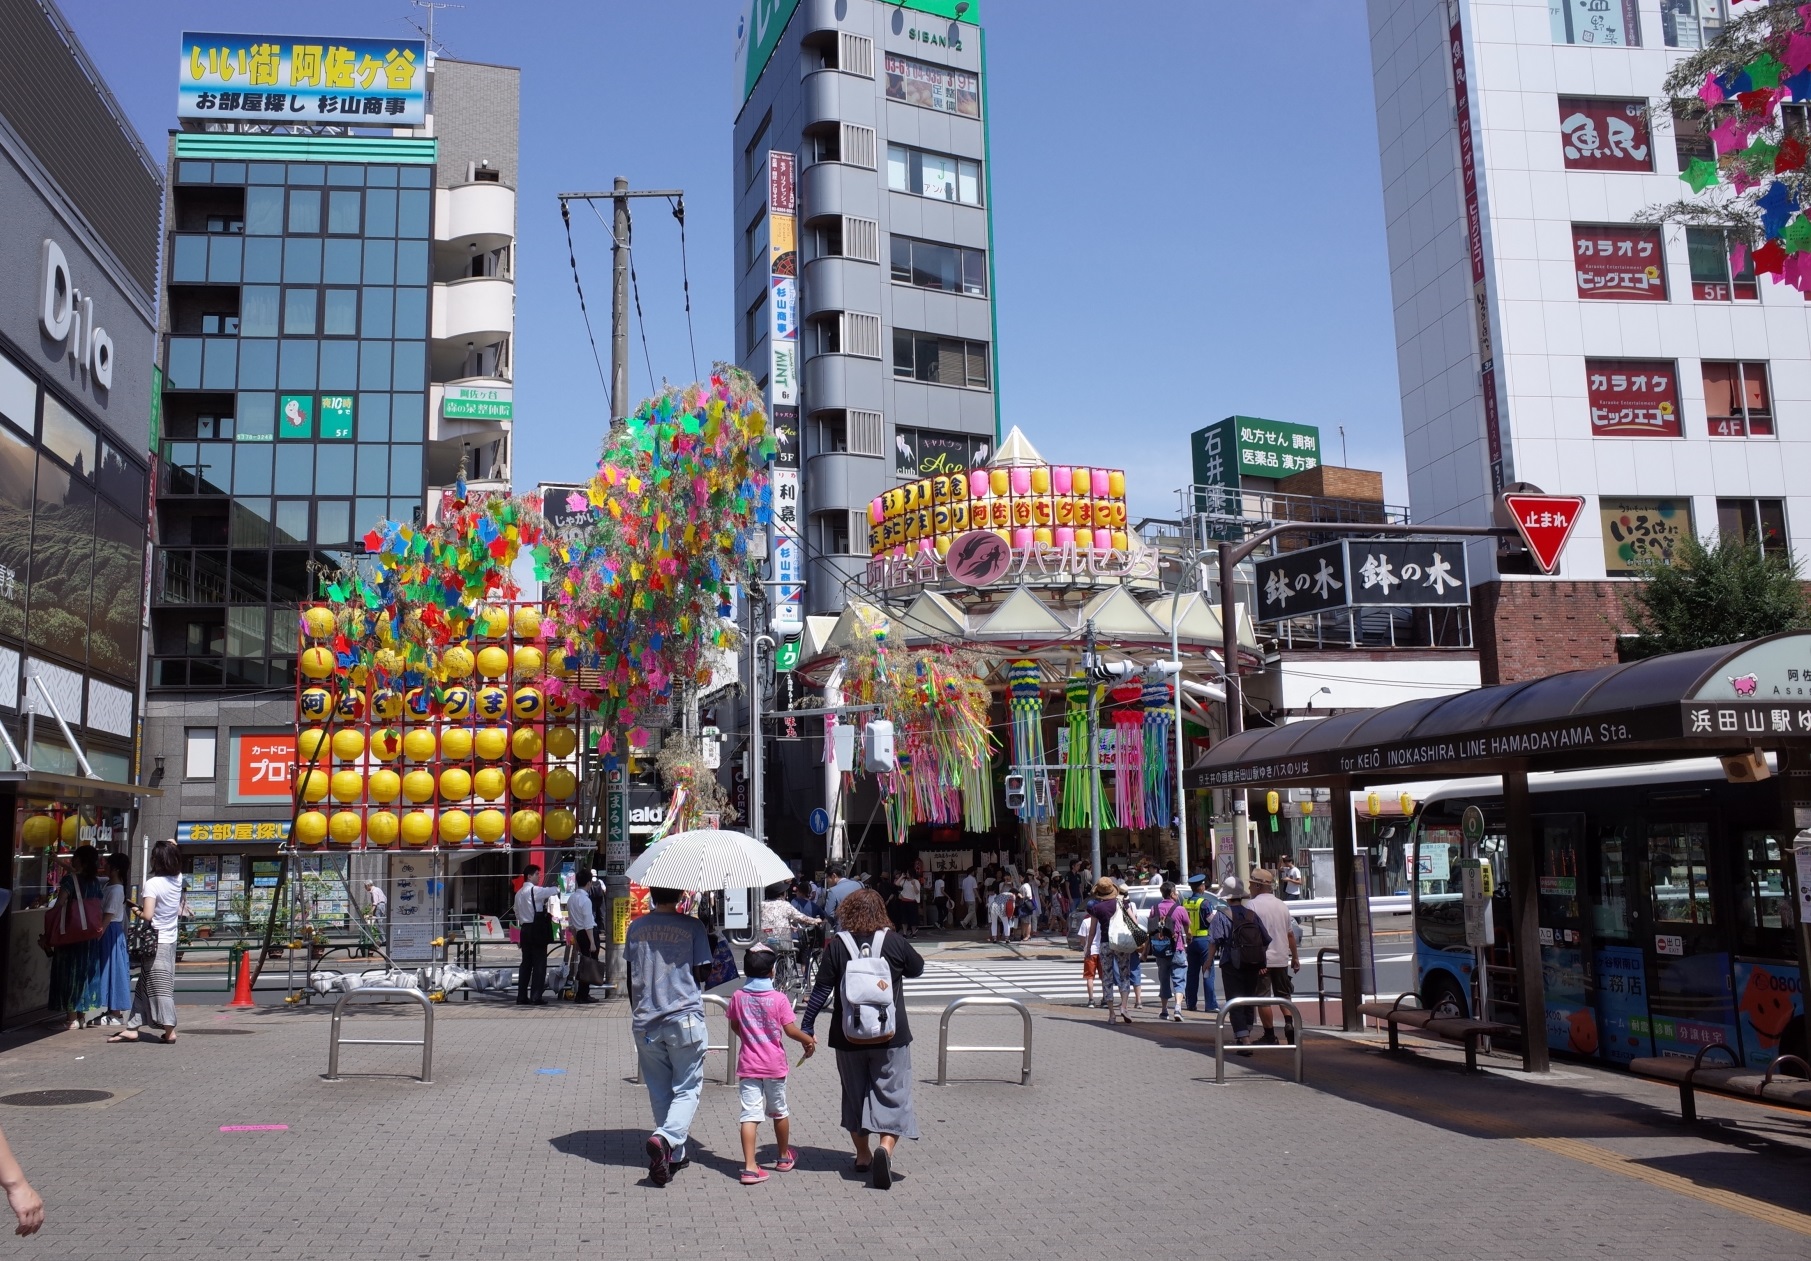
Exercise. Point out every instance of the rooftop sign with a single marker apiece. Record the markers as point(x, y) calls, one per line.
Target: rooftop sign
point(1248, 446)
point(303, 79)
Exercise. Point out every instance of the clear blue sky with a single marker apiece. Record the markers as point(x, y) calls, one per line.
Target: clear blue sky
point(1187, 211)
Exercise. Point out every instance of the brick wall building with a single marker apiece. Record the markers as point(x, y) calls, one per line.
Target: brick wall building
point(1524, 630)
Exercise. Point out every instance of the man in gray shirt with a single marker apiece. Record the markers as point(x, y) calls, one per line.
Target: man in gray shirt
point(840, 887)
point(669, 957)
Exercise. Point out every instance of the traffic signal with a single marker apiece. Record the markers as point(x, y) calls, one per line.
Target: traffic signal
point(1015, 792)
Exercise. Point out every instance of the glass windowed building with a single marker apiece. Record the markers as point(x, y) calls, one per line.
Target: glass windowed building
point(336, 346)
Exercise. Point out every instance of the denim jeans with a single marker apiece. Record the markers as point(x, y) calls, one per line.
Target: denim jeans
point(671, 1055)
point(1168, 967)
point(1200, 973)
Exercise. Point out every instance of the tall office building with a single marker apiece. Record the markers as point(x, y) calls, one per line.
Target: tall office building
point(864, 276)
point(79, 200)
point(1546, 336)
point(337, 324)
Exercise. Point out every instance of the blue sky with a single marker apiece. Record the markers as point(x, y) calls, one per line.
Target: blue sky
point(1187, 213)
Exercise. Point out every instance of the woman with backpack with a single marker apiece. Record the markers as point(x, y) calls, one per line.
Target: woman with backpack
point(1168, 928)
point(1110, 930)
point(860, 979)
point(1241, 940)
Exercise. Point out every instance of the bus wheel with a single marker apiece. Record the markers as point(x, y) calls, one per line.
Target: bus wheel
point(1444, 998)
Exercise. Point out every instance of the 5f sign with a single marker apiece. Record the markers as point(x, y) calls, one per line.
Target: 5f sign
point(67, 315)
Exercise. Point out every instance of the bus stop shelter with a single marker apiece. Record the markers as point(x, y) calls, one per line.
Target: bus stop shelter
point(1752, 697)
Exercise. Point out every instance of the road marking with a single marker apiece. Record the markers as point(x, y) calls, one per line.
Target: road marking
point(240, 1129)
point(1630, 1167)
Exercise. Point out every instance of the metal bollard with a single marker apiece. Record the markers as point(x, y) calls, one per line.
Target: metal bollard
point(729, 1060)
point(1320, 979)
point(1220, 1034)
point(425, 1042)
point(975, 1000)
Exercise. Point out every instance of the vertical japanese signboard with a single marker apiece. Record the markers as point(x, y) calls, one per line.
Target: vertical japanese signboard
point(787, 602)
point(1474, 234)
point(303, 79)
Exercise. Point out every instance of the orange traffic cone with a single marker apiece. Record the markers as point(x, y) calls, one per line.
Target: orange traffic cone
point(242, 994)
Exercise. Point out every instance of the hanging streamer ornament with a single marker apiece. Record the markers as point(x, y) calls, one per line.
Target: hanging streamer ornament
point(1025, 698)
point(1159, 723)
point(1128, 755)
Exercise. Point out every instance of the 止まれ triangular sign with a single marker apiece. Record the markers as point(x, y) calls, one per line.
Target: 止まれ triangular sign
point(1545, 522)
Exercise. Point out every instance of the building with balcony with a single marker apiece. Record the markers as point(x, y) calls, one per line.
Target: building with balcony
point(336, 345)
point(888, 259)
point(1547, 335)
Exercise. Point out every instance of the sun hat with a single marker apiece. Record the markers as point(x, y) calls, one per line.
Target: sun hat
point(1105, 888)
point(1232, 889)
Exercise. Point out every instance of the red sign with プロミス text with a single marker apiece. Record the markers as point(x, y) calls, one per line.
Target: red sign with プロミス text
point(263, 765)
point(1621, 263)
point(1633, 398)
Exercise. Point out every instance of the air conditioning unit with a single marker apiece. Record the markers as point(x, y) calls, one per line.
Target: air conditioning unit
point(1746, 768)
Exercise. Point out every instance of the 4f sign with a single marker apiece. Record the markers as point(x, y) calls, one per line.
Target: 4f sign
point(67, 316)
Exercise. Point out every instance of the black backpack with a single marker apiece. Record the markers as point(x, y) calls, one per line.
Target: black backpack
point(1250, 944)
point(1163, 930)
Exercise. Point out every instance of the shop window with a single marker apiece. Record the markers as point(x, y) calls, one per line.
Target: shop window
point(1759, 521)
point(1715, 277)
point(1737, 401)
point(200, 752)
point(1690, 23)
point(1599, 23)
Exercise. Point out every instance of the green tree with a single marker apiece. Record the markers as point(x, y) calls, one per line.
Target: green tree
point(1708, 593)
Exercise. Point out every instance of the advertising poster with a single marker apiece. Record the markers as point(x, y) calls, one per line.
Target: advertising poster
point(933, 87)
point(1633, 398)
point(303, 79)
point(262, 764)
point(1620, 263)
point(1769, 997)
point(1571, 1024)
point(786, 543)
point(1691, 1005)
point(1604, 135)
point(1638, 530)
point(1622, 1005)
point(295, 416)
point(336, 415)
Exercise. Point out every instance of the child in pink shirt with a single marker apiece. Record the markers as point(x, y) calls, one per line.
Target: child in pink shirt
point(762, 1017)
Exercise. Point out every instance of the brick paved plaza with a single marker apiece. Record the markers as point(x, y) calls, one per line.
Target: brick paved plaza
point(1120, 1133)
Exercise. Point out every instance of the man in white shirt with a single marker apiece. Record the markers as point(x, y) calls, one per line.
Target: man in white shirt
point(937, 894)
point(582, 916)
point(909, 892)
point(534, 923)
point(1283, 960)
point(970, 903)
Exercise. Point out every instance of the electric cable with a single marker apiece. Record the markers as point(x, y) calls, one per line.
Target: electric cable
point(685, 279)
point(572, 257)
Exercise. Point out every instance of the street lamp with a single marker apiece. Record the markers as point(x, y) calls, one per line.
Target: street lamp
point(1325, 691)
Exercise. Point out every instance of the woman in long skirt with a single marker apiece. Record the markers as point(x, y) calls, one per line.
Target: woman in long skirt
point(113, 981)
point(155, 1001)
point(73, 966)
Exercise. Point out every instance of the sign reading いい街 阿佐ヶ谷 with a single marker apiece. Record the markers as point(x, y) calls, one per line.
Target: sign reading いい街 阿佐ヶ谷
point(303, 79)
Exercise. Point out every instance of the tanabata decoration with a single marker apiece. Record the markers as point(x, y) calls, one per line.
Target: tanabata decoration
point(1159, 726)
point(1081, 782)
point(1755, 185)
point(1025, 699)
point(1128, 754)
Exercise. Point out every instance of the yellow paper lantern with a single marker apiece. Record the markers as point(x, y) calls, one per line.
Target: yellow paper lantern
point(455, 784)
point(345, 827)
point(311, 745)
point(525, 784)
point(562, 741)
point(527, 661)
point(527, 622)
point(456, 744)
point(528, 704)
point(1407, 802)
point(418, 703)
point(348, 745)
point(493, 702)
point(347, 785)
point(492, 742)
point(1373, 804)
point(456, 705)
point(488, 826)
point(525, 743)
point(419, 745)
point(418, 827)
point(456, 662)
point(493, 622)
point(386, 703)
point(525, 826)
point(316, 662)
point(492, 662)
point(1116, 484)
point(560, 663)
point(383, 827)
point(561, 825)
point(310, 828)
point(71, 830)
point(455, 826)
point(418, 785)
point(39, 829)
point(315, 704)
point(318, 622)
point(1271, 801)
point(489, 783)
point(1040, 479)
point(560, 706)
point(386, 744)
point(311, 783)
point(561, 784)
point(384, 786)
point(350, 706)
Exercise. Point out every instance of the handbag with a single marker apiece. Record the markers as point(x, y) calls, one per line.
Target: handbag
point(141, 942)
point(723, 964)
point(590, 970)
point(87, 924)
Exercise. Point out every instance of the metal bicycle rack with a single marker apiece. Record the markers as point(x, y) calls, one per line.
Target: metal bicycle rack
point(729, 1060)
point(1220, 1034)
point(1320, 979)
point(978, 1000)
point(425, 1042)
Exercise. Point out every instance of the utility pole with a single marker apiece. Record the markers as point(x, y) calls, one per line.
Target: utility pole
point(1089, 665)
point(616, 779)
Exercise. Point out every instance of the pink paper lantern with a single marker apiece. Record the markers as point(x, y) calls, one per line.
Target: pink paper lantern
point(925, 546)
point(876, 513)
point(1061, 479)
point(1081, 481)
point(977, 483)
point(1100, 482)
point(1021, 481)
point(1065, 535)
point(1021, 539)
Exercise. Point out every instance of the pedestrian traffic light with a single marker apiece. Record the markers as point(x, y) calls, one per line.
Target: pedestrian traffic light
point(1015, 792)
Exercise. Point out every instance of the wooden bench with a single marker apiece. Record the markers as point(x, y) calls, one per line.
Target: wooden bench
point(1736, 1080)
point(1461, 1029)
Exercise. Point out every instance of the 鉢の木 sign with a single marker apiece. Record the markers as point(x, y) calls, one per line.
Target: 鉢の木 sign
point(1400, 573)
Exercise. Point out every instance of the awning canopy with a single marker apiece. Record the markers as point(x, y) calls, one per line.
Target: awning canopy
point(1727, 699)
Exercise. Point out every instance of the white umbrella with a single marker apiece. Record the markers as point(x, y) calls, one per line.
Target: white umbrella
point(709, 859)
